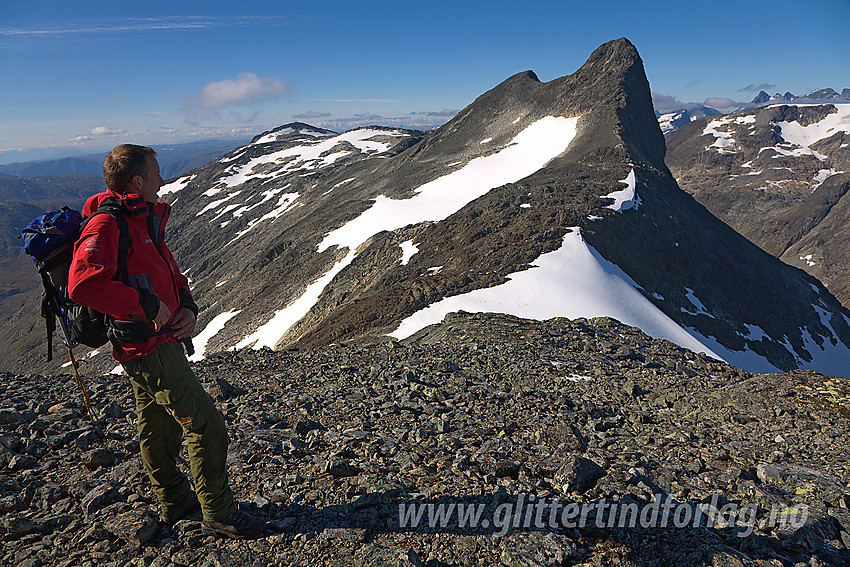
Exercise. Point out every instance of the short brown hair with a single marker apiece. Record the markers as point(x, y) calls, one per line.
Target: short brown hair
point(123, 163)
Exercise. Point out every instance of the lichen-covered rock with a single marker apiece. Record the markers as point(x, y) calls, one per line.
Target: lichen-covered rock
point(136, 526)
point(341, 448)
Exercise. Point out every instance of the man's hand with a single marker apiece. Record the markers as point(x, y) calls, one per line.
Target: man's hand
point(162, 316)
point(183, 324)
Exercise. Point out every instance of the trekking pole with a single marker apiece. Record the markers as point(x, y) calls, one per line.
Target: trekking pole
point(81, 384)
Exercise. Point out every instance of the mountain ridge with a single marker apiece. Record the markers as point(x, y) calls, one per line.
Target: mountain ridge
point(310, 237)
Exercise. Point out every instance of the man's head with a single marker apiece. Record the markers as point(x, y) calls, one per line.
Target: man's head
point(129, 168)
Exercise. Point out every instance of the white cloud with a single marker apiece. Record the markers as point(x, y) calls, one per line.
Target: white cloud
point(97, 131)
point(718, 102)
point(663, 102)
point(148, 24)
point(104, 131)
point(754, 88)
point(248, 87)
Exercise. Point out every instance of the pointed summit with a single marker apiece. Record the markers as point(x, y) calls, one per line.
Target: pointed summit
point(535, 195)
point(761, 98)
point(539, 199)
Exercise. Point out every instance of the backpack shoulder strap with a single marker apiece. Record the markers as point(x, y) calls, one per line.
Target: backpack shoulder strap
point(115, 209)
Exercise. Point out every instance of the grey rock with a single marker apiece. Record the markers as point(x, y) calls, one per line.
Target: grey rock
point(537, 549)
point(11, 504)
point(15, 526)
point(339, 468)
point(9, 417)
point(770, 474)
point(136, 526)
point(113, 411)
point(22, 462)
point(344, 536)
point(101, 457)
point(222, 390)
point(578, 474)
point(99, 497)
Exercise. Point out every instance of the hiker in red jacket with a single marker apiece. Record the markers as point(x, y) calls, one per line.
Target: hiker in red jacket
point(150, 309)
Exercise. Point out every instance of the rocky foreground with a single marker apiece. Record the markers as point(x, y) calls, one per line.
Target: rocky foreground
point(548, 432)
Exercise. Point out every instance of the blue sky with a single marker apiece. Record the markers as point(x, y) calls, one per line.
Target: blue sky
point(88, 75)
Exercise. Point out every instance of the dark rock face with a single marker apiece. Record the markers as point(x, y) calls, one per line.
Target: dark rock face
point(761, 98)
point(338, 448)
point(787, 198)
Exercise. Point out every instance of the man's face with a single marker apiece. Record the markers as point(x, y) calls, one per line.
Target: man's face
point(149, 183)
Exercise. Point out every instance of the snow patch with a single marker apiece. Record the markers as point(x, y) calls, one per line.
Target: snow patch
point(627, 198)
point(268, 334)
point(823, 175)
point(436, 200)
point(215, 204)
point(176, 185)
point(700, 308)
point(408, 249)
point(310, 155)
point(805, 136)
point(573, 281)
point(213, 327)
point(723, 140)
point(284, 203)
point(755, 333)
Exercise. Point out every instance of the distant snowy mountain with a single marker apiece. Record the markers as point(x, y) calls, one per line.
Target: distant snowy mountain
point(538, 199)
point(780, 175)
point(671, 119)
point(815, 97)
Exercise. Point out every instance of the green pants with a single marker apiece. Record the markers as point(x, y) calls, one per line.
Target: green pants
point(171, 403)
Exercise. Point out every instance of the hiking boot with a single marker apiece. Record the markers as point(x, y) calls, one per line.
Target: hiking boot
point(171, 517)
point(238, 525)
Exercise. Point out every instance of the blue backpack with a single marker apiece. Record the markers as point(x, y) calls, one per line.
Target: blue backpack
point(49, 239)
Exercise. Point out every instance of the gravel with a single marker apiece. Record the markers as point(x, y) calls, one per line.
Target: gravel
point(491, 413)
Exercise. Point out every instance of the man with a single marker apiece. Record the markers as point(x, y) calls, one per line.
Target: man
point(150, 309)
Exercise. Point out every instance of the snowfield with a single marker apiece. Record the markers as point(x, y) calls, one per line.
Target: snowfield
point(573, 281)
point(436, 200)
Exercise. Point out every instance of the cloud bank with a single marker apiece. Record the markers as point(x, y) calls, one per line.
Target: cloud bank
point(721, 103)
point(311, 114)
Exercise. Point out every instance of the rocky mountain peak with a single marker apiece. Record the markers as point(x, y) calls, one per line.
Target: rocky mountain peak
point(538, 200)
point(761, 98)
point(290, 129)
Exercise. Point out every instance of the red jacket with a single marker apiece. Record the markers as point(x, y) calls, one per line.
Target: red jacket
point(153, 273)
